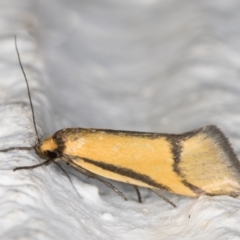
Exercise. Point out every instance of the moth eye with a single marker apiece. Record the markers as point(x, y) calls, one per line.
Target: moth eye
point(51, 154)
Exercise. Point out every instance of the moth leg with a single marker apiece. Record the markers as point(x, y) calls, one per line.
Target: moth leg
point(164, 198)
point(94, 176)
point(33, 166)
point(15, 148)
point(138, 193)
point(108, 184)
point(25, 167)
point(66, 174)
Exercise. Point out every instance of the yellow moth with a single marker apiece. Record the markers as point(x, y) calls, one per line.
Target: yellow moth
point(190, 164)
point(195, 163)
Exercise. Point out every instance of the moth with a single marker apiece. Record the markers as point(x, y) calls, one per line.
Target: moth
point(195, 163)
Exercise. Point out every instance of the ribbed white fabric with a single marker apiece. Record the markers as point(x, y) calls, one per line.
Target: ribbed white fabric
point(162, 66)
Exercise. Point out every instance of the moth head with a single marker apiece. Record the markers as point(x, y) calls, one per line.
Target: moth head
point(47, 149)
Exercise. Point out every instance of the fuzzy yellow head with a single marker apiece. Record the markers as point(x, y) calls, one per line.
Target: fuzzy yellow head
point(47, 149)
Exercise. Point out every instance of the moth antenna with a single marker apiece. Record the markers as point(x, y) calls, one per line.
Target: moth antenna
point(164, 198)
point(28, 90)
point(35, 127)
point(29, 96)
